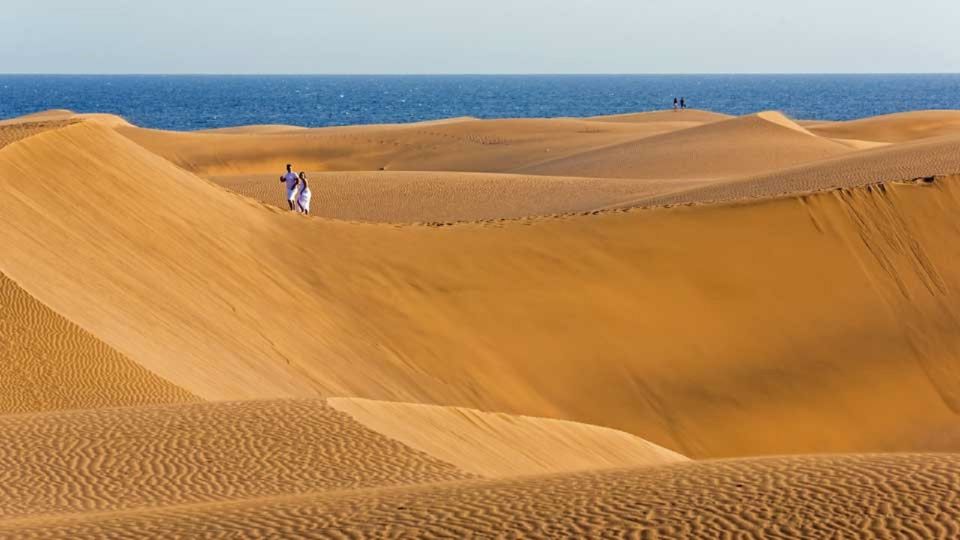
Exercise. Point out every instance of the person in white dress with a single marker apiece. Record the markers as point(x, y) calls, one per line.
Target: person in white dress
point(292, 181)
point(304, 200)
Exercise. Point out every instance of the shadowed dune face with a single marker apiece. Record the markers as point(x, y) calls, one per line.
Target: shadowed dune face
point(802, 497)
point(669, 320)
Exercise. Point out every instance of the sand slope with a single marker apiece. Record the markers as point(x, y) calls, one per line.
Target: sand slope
point(740, 146)
point(892, 128)
point(499, 445)
point(52, 115)
point(48, 363)
point(16, 131)
point(903, 162)
point(654, 315)
point(897, 496)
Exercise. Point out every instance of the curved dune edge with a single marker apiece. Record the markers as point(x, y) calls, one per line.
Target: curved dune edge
point(796, 497)
point(730, 148)
point(18, 131)
point(777, 117)
point(913, 161)
point(894, 128)
point(48, 363)
point(52, 115)
point(645, 322)
point(135, 458)
point(496, 445)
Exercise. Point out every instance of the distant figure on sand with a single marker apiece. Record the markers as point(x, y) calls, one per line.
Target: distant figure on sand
point(292, 180)
point(683, 103)
point(675, 103)
point(304, 200)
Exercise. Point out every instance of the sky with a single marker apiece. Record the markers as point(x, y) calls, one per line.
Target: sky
point(471, 36)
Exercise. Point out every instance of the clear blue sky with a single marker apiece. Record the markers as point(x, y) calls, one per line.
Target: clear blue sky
point(479, 36)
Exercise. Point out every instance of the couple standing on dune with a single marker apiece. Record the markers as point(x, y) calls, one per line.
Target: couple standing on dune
point(298, 190)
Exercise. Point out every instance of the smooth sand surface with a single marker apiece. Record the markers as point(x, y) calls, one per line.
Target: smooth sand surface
point(907, 162)
point(736, 147)
point(496, 445)
point(894, 128)
point(870, 496)
point(590, 293)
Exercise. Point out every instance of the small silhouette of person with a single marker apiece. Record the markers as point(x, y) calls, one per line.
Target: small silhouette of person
point(683, 103)
point(675, 103)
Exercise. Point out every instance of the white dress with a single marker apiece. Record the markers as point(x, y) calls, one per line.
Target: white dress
point(304, 200)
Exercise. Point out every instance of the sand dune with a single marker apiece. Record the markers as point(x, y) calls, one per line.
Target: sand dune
point(740, 146)
point(11, 133)
point(499, 445)
point(902, 162)
point(900, 127)
point(536, 313)
point(410, 197)
point(898, 496)
point(52, 115)
point(786, 288)
point(48, 363)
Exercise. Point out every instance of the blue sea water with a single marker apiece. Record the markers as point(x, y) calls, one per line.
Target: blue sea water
point(187, 102)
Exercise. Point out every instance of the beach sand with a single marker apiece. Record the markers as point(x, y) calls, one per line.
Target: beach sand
point(544, 328)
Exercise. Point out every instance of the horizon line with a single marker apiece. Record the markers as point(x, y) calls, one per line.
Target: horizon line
point(530, 74)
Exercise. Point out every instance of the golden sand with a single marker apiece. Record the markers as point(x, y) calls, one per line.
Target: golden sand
point(491, 327)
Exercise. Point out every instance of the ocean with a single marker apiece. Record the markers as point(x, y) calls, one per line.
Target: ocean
point(188, 102)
